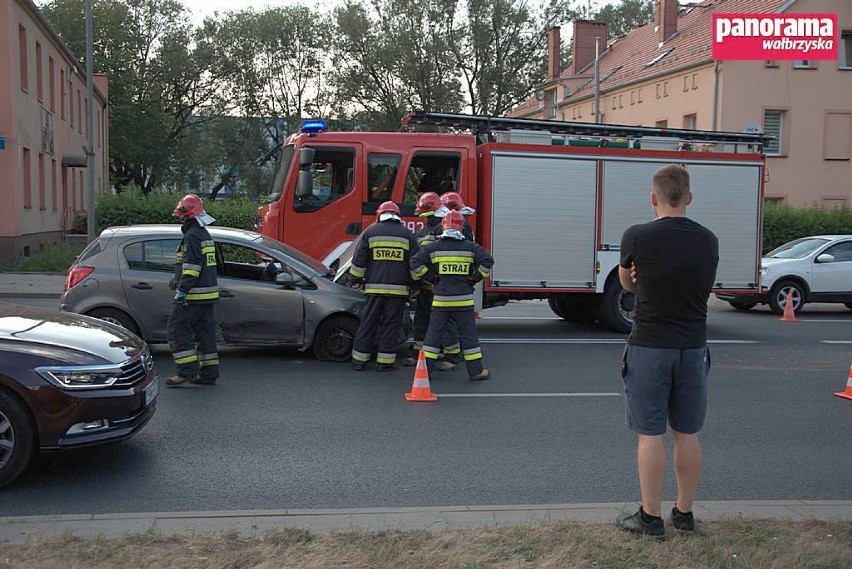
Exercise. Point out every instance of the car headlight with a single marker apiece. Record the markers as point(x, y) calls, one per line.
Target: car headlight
point(764, 271)
point(80, 377)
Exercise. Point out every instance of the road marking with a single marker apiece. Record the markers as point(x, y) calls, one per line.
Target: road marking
point(483, 395)
point(586, 341)
point(826, 320)
point(520, 318)
point(836, 341)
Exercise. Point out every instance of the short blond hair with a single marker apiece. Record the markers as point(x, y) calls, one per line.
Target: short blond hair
point(671, 184)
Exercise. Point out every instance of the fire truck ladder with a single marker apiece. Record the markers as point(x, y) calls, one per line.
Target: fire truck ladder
point(484, 125)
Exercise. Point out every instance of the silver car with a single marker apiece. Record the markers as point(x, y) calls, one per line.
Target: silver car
point(270, 294)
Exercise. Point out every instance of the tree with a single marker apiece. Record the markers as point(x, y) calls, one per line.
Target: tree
point(161, 78)
point(623, 17)
point(499, 47)
point(390, 58)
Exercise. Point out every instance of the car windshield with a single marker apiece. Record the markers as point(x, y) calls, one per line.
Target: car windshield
point(797, 249)
point(276, 245)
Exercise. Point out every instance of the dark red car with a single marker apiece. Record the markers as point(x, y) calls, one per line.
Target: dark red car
point(68, 381)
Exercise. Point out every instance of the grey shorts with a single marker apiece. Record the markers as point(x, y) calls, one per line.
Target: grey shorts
point(665, 386)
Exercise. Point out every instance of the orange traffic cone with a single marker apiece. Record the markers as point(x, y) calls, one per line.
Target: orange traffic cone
point(789, 313)
point(421, 391)
point(848, 393)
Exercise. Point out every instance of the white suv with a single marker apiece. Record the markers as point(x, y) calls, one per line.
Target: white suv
point(811, 269)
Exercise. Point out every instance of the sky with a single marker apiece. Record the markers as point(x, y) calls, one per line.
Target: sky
point(203, 8)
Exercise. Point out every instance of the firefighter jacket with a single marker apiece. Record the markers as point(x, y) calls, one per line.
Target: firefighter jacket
point(455, 265)
point(195, 271)
point(430, 232)
point(382, 259)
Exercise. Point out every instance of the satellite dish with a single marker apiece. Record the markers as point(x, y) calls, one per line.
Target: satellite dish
point(753, 128)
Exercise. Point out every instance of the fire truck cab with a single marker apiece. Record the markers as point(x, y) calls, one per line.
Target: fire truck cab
point(552, 199)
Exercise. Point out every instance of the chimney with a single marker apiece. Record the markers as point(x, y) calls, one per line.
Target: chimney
point(667, 12)
point(583, 43)
point(554, 54)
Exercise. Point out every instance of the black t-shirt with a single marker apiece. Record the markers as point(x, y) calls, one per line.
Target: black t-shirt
point(676, 260)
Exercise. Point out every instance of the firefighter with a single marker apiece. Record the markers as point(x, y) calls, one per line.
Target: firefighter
point(192, 323)
point(452, 201)
point(381, 264)
point(427, 206)
point(458, 264)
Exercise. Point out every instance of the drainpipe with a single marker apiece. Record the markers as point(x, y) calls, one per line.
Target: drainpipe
point(715, 94)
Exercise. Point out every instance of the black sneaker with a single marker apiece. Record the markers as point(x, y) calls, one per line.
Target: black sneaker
point(635, 523)
point(410, 361)
point(359, 366)
point(387, 367)
point(681, 521)
point(204, 380)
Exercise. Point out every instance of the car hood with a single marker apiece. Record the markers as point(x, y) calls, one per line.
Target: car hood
point(64, 336)
point(769, 262)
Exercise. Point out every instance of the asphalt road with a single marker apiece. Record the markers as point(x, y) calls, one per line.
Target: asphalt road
point(285, 431)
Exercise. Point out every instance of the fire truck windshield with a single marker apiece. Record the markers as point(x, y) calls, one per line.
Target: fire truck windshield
point(287, 153)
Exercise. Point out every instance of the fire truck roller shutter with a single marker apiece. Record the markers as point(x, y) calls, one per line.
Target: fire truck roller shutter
point(726, 200)
point(543, 220)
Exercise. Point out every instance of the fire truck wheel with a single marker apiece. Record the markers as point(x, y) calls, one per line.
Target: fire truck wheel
point(615, 308)
point(333, 338)
point(579, 310)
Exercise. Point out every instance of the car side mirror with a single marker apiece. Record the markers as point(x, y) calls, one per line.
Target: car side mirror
point(825, 258)
point(286, 280)
point(305, 184)
point(306, 156)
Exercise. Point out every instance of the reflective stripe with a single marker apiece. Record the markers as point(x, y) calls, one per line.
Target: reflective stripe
point(384, 358)
point(418, 273)
point(484, 272)
point(208, 363)
point(191, 273)
point(472, 357)
point(190, 267)
point(418, 346)
point(381, 288)
point(453, 298)
point(184, 353)
point(179, 256)
point(187, 359)
point(360, 356)
point(451, 303)
point(468, 255)
point(427, 214)
point(203, 289)
point(206, 250)
point(387, 241)
point(203, 296)
point(451, 259)
point(204, 357)
point(454, 349)
point(431, 352)
point(357, 271)
point(207, 243)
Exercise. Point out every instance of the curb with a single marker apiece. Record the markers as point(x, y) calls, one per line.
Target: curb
point(254, 523)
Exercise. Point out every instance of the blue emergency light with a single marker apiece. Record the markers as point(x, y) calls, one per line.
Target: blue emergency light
point(313, 125)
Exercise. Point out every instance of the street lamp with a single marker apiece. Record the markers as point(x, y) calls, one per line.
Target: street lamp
point(90, 151)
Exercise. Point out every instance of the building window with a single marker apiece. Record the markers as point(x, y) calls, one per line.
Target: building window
point(51, 70)
point(639, 96)
point(804, 64)
point(28, 178)
point(658, 91)
point(86, 107)
point(80, 185)
point(100, 131)
point(774, 200)
point(39, 78)
point(603, 118)
point(773, 124)
point(22, 47)
point(550, 103)
point(690, 121)
point(42, 196)
point(613, 102)
point(79, 112)
point(845, 59)
point(662, 124)
point(54, 181)
point(632, 97)
point(838, 133)
point(621, 101)
point(71, 101)
point(62, 93)
point(665, 88)
point(685, 83)
point(771, 63)
point(694, 81)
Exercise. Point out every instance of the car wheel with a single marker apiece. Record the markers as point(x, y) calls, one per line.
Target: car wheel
point(778, 297)
point(580, 310)
point(17, 438)
point(333, 338)
point(742, 305)
point(115, 316)
point(615, 307)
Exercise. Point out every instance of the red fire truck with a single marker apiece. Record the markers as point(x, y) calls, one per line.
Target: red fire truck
point(552, 198)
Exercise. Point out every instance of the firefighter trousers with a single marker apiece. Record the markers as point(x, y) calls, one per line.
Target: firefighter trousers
point(468, 337)
point(449, 340)
point(380, 329)
point(192, 339)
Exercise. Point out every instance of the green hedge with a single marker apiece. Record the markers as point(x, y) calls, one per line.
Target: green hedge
point(133, 207)
point(782, 223)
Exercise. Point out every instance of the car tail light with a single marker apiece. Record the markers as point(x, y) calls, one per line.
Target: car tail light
point(76, 275)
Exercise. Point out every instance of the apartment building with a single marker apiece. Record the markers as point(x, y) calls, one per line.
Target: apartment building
point(43, 132)
point(663, 74)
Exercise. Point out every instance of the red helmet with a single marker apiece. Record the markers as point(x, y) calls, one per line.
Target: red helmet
point(453, 220)
point(387, 207)
point(452, 200)
point(428, 203)
point(189, 207)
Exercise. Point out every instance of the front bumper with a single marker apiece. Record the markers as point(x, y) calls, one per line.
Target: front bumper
point(761, 298)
